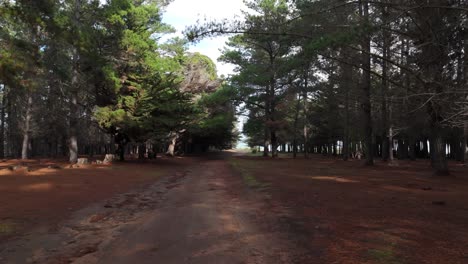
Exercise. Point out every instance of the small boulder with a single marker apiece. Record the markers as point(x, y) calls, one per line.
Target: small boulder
point(18, 167)
point(109, 158)
point(82, 161)
point(98, 161)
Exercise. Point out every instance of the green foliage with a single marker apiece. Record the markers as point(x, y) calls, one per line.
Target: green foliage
point(383, 256)
point(202, 62)
point(7, 228)
point(249, 179)
point(215, 119)
point(99, 65)
point(143, 82)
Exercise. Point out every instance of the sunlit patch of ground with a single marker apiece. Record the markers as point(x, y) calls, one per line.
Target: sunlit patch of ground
point(41, 193)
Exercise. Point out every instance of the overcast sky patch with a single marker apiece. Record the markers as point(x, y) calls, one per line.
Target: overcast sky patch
point(183, 13)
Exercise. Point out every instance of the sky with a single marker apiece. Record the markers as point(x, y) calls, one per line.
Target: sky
point(183, 13)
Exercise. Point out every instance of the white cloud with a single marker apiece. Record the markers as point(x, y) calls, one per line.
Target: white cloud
point(183, 13)
point(186, 12)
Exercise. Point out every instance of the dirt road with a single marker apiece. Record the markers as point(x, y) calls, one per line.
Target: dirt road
point(201, 214)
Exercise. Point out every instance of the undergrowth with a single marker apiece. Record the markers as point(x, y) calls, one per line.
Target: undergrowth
point(248, 178)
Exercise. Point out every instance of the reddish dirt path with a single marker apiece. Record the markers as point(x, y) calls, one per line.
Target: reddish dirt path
point(203, 220)
point(202, 213)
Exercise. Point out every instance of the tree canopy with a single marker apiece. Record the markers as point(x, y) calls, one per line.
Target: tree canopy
point(378, 78)
point(84, 76)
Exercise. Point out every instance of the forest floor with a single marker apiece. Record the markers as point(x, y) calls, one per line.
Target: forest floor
point(382, 214)
point(225, 208)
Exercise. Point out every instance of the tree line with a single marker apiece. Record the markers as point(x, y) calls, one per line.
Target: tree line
point(87, 77)
point(337, 77)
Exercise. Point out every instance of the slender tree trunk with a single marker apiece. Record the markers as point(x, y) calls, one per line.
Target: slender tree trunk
point(121, 151)
point(412, 146)
point(24, 146)
point(439, 160)
point(296, 121)
point(172, 144)
point(438, 155)
point(346, 82)
point(274, 144)
point(271, 105)
point(366, 87)
point(75, 83)
point(432, 70)
point(384, 91)
point(346, 134)
point(390, 143)
point(73, 122)
point(141, 151)
point(304, 98)
point(465, 84)
point(266, 142)
point(27, 128)
point(306, 155)
point(111, 148)
point(400, 149)
point(8, 118)
point(295, 147)
point(2, 128)
point(464, 143)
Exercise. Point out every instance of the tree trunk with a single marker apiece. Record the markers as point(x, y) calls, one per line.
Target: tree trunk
point(390, 144)
point(347, 73)
point(438, 151)
point(2, 127)
point(402, 149)
point(266, 142)
point(8, 118)
point(439, 160)
point(274, 144)
point(111, 149)
point(465, 84)
point(384, 110)
point(412, 147)
point(73, 123)
point(75, 83)
point(432, 71)
point(172, 144)
point(24, 148)
point(296, 120)
point(121, 151)
point(464, 143)
point(141, 151)
point(295, 147)
point(345, 85)
point(425, 150)
point(304, 105)
point(306, 155)
point(27, 128)
point(366, 87)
